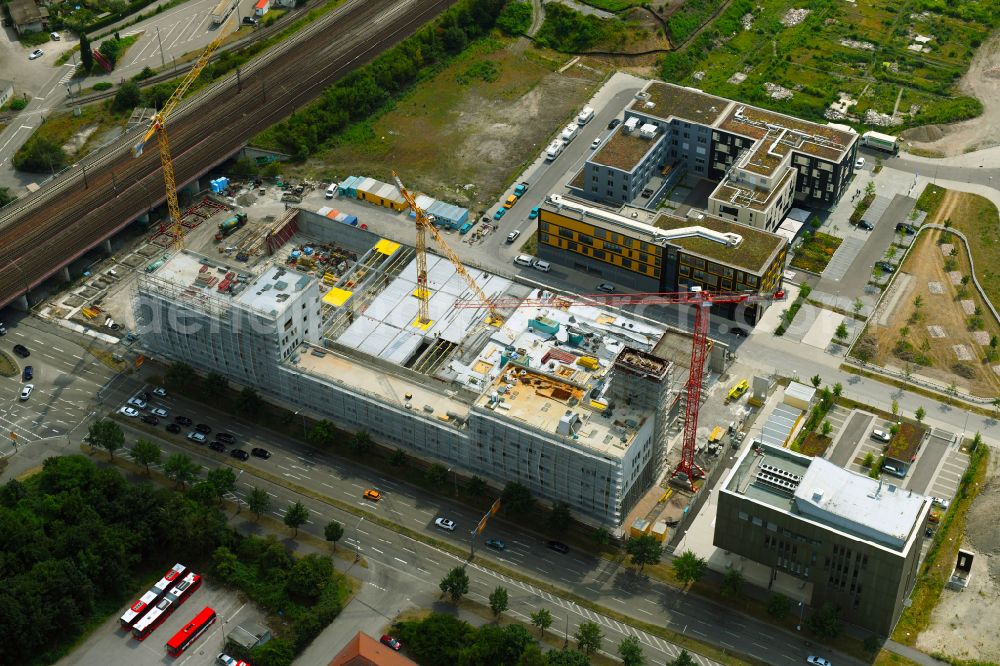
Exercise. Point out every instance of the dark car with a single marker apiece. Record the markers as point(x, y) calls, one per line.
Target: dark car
point(239, 454)
point(226, 437)
point(217, 446)
point(22, 351)
point(150, 419)
point(614, 123)
point(739, 332)
point(866, 225)
point(28, 373)
point(907, 229)
point(885, 266)
point(258, 452)
point(183, 420)
point(203, 429)
point(496, 544)
point(559, 547)
point(250, 20)
point(174, 428)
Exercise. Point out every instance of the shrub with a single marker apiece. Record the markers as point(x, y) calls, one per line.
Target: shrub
point(515, 19)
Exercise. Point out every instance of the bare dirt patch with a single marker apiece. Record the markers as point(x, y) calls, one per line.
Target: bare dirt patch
point(981, 82)
point(461, 135)
point(964, 623)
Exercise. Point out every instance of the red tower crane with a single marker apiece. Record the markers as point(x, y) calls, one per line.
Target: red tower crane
point(687, 470)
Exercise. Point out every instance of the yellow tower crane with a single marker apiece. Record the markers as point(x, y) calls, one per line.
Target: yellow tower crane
point(423, 293)
point(158, 127)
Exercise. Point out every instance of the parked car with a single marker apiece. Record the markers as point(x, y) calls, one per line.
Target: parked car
point(27, 374)
point(251, 20)
point(26, 391)
point(866, 225)
point(36, 54)
point(373, 495)
point(3, 330)
point(533, 214)
point(224, 659)
point(885, 266)
point(159, 391)
point(183, 420)
point(391, 642)
point(159, 411)
point(239, 454)
point(54, 36)
point(615, 122)
point(606, 287)
point(150, 419)
point(202, 428)
point(881, 435)
point(819, 661)
point(859, 163)
point(512, 236)
point(500, 213)
point(22, 351)
point(540, 265)
point(129, 411)
point(511, 200)
point(217, 446)
point(196, 437)
point(942, 504)
point(260, 453)
point(595, 143)
point(174, 428)
point(226, 437)
point(496, 544)
point(137, 402)
point(907, 229)
point(559, 547)
point(445, 524)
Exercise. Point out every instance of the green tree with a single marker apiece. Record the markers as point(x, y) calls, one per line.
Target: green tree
point(181, 469)
point(643, 550)
point(631, 652)
point(816, 380)
point(223, 480)
point(532, 656)
point(203, 493)
point(321, 433)
point(996, 405)
point(249, 401)
point(146, 453)
point(106, 434)
point(476, 487)
point(216, 384)
point(455, 584)
point(296, 516)
point(601, 536)
point(858, 306)
point(918, 302)
point(825, 621)
point(589, 637)
point(542, 620)
point(310, 576)
point(516, 499)
point(732, 584)
point(838, 389)
point(827, 428)
point(127, 97)
point(872, 644)
point(920, 414)
point(179, 374)
point(258, 502)
point(110, 49)
point(515, 18)
point(684, 659)
point(398, 458)
point(841, 333)
point(566, 658)
point(895, 409)
point(778, 606)
point(361, 442)
point(40, 154)
point(870, 188)
point(559, 518)
point(86, 57)
point(869, 460)
point(689, 568)
point(437, 476)
point(498, 601)
point(6, 197)
point(333, 532)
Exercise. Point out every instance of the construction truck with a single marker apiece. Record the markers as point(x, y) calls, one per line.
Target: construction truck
point(231, 224)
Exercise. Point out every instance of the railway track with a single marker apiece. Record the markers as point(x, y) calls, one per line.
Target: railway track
point(76, 212)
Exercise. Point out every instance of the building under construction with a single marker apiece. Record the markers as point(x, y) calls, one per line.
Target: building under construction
point(572, 400)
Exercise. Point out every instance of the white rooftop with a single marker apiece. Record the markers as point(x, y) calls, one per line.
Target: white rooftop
point(874, 510)
point(273, 290)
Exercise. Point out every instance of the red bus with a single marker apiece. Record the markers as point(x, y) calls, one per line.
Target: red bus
point(136, 610)
point(155, 616)
point(183, 639)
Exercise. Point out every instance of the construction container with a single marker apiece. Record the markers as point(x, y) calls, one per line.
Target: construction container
point(659, 530)
point(323, 211)
point(348, 187)
point(351, 220)
point(332, 213)
point(340, 217)
point(588, 362)
point(543, 324)
point(449, 215)
point(364, 185)
point(639, 527)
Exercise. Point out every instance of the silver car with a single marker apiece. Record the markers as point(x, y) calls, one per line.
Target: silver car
point(445, 524)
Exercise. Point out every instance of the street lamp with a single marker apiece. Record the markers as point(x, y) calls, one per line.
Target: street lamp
point(802, 608)
point(357, 540)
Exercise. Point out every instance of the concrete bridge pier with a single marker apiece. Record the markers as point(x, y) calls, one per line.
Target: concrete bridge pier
point(107, 246)
point(21, 303)
point(64, 273)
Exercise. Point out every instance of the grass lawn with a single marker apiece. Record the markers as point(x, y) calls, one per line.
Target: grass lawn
point(977, 218)
point(614, 5)
point(815, 252)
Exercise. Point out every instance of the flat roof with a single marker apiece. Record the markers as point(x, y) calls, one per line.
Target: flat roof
point(817, 490)
point(666, 100)
point(754, 254)
point(905, 443)
point(272, 291)
point(802, 135)
point(733, 191)
point(624, 151)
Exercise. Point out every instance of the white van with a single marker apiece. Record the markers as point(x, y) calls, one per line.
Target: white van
point(331, 191)
point(542, 266)
point(524, 260)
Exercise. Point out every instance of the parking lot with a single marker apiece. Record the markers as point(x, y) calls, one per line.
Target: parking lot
point(110, 646)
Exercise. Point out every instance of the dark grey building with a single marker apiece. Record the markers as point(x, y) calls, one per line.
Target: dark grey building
point(853, 541)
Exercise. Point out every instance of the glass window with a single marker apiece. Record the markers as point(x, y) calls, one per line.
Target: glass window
point(565, 233)
point(586, 240)
point(600, 233)
point(744, 515)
